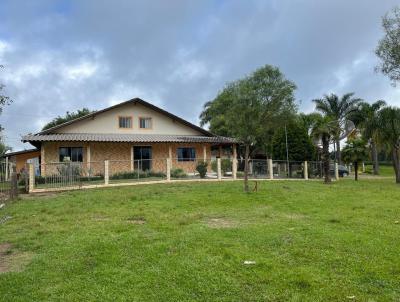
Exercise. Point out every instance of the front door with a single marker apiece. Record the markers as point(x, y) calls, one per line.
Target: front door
point(142, 158)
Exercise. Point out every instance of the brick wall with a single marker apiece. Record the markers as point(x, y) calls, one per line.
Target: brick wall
point(120, 156)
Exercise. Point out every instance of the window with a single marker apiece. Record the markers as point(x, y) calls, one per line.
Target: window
point(125, 122)
point(186, 154)
point(145, 123)
point(73, 153)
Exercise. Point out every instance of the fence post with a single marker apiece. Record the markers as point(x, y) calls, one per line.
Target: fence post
point(306, 170)
point(31, 172)
point(7, 166)
point(336, 171)
point(234, 168)
point(363, 167)
point(106, 175)
point(219, 168)
point(270, 169)
point(14, 186)
point(168, 169)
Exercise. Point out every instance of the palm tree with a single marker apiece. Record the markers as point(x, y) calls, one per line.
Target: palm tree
point(355, 152)
point(366, 119)
point(339, 110)
point(388, 131)
point(323, 130)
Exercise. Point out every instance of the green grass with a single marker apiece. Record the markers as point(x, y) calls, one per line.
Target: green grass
point(188, 242)
point(384, 170)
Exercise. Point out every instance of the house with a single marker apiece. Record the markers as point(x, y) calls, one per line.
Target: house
point(20, 158)
point(131, 135)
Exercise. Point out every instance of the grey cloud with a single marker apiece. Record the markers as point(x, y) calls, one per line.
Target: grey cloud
point(178, 54)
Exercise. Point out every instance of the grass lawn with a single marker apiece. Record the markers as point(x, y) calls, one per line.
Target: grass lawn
point(188, 242)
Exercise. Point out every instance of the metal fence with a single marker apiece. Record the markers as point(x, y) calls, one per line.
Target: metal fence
point(65, 175)
point(8, 189)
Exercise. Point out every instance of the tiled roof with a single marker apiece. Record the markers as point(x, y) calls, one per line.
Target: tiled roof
point(126, 138)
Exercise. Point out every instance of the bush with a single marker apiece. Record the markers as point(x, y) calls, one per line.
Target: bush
point(178, 173)
point(136, 174)
point(226, 165)
point(69, 169)
point(202, 169)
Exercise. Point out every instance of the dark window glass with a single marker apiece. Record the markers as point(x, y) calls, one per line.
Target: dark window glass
point(186, 154)
point(145, 122)
point(125, 122)
point(74, 153)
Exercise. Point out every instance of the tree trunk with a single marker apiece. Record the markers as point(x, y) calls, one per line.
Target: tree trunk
point(356, 170)
point(326, 159)
point(375, 161)
point(246, 169)
point(338, 152)
point(396, 163)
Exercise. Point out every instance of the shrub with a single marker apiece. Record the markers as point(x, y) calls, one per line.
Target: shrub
point(202, 168)
point(136, 174)
point(226, 165)
point(178, 173)
point(69, 169)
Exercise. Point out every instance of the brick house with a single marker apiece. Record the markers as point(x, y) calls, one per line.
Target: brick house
point(132, 135)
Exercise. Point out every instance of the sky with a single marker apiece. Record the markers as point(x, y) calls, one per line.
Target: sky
point(61, 56)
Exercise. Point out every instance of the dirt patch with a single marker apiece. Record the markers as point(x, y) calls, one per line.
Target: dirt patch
point(221, 223)
point(136, 220)
point(12, 260)
point(101, 218)
point(294, 216)
point(41, 195)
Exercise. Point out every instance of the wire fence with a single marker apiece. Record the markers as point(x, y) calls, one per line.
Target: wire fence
point(7, 172)
point(64, 175)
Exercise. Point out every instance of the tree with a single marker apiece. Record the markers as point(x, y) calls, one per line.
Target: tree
point(366, 119)
point(300, 145)
point(388, 49)
point(3, 147)
point(355, 152)
point(250, 108)
point(323, 130)
point(68, 117)
point(4, 100)
point(339, 110)
point(388, 131)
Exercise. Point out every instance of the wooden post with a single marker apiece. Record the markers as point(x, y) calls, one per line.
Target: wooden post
point(270, 169)
point(14, 185)
point(336, 171)
point(363, 167)
point(106, 174)
point(306, 170)
point(168, 169)
point(219, 169)
point(31, 172)
point(7, 167)
point(220, 151)
point(204, 153)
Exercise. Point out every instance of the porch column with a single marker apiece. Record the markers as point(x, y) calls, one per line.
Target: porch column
point(170, 155)
point(220, 151)
point(132, 159)
point(88, 159)
point(42, 161)
point(234, 161)
point(204, 152)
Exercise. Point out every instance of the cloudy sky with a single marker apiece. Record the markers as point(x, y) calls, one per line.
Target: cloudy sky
point(63, 55)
